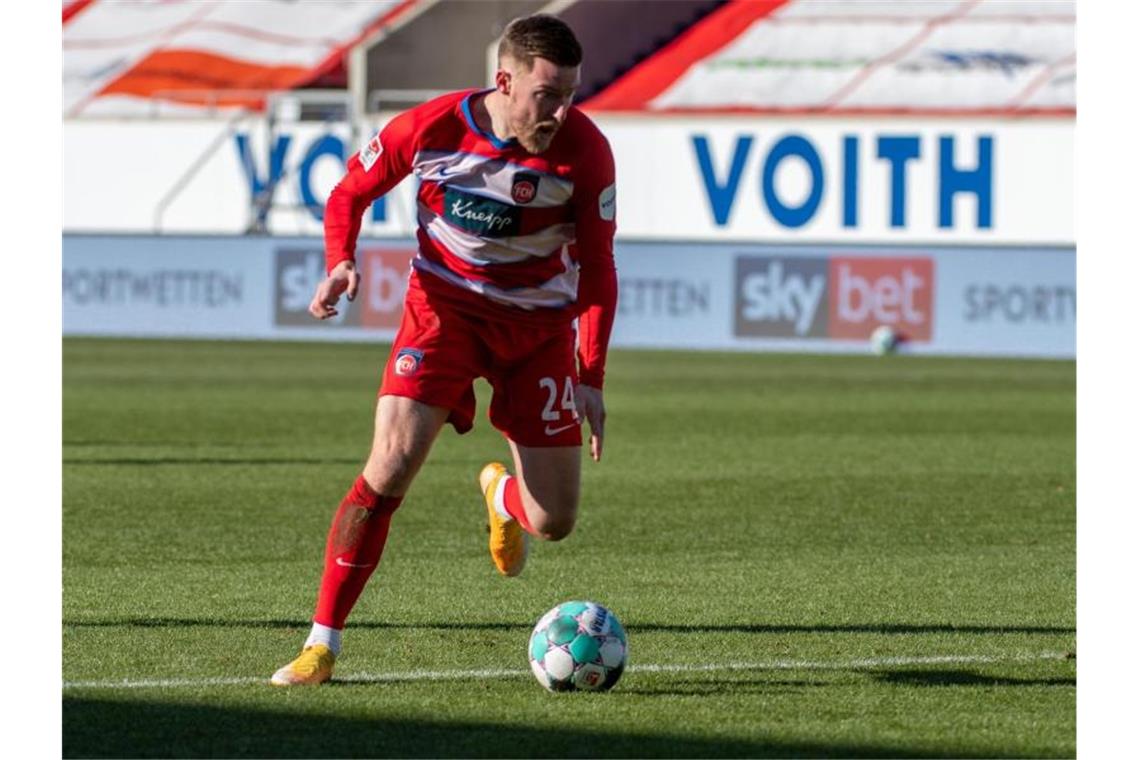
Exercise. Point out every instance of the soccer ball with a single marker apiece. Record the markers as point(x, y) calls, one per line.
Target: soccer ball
point(578, 645)
point(884, 340)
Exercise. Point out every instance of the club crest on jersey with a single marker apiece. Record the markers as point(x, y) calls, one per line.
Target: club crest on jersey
point(524, 188)
point(408, 361)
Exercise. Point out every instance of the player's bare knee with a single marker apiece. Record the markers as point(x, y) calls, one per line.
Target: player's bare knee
point(554, 525)
point(553, 512)
point(391, 467)
point(558, 529)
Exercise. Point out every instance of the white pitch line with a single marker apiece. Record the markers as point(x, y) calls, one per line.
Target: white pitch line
point(464, 675)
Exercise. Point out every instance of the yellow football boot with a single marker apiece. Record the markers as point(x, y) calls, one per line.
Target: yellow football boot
point(314, 666)
point(508, 541)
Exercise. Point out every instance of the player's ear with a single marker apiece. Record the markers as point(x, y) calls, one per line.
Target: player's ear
point(503, 81)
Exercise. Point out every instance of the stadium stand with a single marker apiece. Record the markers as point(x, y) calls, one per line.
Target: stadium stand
point(198, 57)
point(778, 56)
point(403, 65)
point(827, 56)
point(621, 33)
point(440, 47)
point(120, 59)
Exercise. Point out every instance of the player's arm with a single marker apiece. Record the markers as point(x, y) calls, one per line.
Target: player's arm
point(383, 162)
point(597, 288)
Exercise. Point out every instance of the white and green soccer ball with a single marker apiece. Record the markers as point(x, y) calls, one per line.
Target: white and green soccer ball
point(578, 646)
point(884, 340)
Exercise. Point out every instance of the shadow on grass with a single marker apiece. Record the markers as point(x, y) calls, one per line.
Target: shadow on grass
point(901, 629)
point(148, 461)
point(719, 687)
point(135, 728)
point(963, 678)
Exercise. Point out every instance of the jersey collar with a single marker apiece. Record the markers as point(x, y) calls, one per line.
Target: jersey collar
point(499, 144)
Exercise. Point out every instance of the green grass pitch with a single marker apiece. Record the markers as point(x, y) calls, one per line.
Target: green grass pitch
point(813, 556)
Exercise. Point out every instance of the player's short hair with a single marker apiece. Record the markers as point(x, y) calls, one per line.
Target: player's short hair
point(540, 36)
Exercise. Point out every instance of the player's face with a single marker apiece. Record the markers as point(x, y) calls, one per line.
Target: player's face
point(538, 101)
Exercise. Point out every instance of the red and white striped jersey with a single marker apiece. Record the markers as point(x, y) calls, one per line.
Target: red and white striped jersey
point(502, 233)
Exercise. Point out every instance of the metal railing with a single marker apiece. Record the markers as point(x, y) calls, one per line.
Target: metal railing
point(191, 171)
point(400, 97)
point(279, 106)
point(213, 102)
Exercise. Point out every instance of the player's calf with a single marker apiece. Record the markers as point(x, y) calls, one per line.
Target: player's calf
point(547, 489)
point(550, 519)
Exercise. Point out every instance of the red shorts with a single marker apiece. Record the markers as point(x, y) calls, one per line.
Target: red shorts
point(439, 351)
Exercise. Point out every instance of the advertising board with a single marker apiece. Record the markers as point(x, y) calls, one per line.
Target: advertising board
point(184, 287)
point(818, 298)
point(772, 180)
point(858, 181)
point(298, 270)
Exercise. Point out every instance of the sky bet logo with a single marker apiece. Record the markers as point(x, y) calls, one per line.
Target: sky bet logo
point(843, 298)
point(781, 297)
point(379, 302)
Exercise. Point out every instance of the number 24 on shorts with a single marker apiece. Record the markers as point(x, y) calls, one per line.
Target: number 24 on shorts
point(549, 414)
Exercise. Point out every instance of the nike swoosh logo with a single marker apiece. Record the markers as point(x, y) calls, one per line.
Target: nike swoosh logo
point(342, 563)
point(555, 431)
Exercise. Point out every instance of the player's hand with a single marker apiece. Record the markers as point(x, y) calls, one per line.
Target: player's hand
point(588, 399)
point(344, 279)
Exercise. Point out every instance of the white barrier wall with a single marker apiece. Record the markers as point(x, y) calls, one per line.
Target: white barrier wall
point(1011, 301)
point(734, 232)
point(773, 180)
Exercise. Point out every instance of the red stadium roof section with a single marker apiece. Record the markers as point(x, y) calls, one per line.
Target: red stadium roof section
point(73, 7)
point(650, 78)
point(191, 71)
point(823, 57)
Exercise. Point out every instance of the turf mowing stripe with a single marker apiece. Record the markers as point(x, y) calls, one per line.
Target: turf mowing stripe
point(463, 675)
point(875, 662)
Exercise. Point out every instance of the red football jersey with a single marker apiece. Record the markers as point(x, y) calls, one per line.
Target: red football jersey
point(502, 233)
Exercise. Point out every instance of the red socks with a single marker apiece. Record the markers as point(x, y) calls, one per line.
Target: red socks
point(356, 540)
point(512, 502)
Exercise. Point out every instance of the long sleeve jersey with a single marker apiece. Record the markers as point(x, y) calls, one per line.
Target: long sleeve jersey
point(502, 233)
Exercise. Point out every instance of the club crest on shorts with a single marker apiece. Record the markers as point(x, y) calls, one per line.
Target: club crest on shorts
point(408, 361)
point(524, 188)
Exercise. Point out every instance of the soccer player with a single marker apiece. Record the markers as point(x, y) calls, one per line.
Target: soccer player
point(515, 241)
